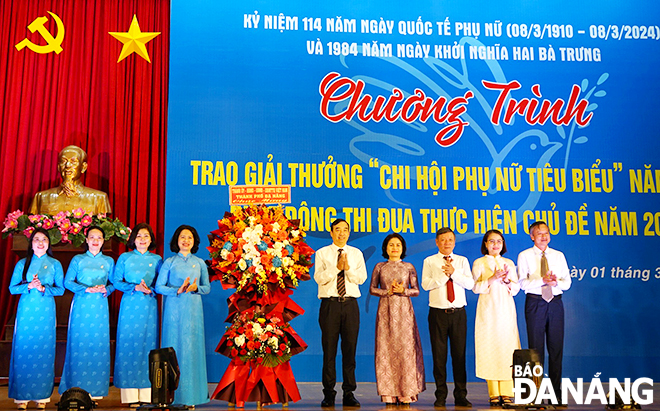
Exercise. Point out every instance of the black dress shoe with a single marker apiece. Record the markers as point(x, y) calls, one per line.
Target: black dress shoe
point(350, 400)
point(439, 403)
point(463, 402)
point(328, 402)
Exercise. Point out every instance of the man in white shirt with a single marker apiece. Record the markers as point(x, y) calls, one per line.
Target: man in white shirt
point(543, 274)
point(339, 270)
point(446, 276)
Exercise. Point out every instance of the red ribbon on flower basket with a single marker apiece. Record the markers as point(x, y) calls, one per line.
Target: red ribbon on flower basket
point(298, 345)
point(282, 305)
point(231, 387)
point(271, 385)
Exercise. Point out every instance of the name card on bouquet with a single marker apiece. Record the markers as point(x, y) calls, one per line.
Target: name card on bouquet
point(248, 194)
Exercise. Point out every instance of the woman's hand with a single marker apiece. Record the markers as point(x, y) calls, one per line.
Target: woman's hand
point(501, 273)
point(143, 287)
point(192, 287)
point(397, 287)
point(36, 283)
point(505, 278)
point(97, 289)
point(184, 286)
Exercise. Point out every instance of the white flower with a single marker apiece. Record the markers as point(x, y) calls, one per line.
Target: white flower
point(276, 227)
point(275, 251)
point(295, 233)
point(273, 342)
point(257, 330)
point(269, 328)
point(242, 264)
point(253, 234)
point(287, 261)
point(224, 253)
point(240, 340)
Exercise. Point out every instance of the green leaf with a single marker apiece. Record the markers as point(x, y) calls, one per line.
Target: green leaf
point(54, 235)
point(23, 222)
point(108, 228)
point(77, 239)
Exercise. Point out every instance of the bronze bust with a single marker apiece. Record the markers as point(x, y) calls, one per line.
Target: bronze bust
point(71, 194)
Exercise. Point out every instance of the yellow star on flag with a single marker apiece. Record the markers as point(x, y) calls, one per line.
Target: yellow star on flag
point(134, 41)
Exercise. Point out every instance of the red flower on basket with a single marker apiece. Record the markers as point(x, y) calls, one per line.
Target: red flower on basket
point(258, 246)
point(253, 337)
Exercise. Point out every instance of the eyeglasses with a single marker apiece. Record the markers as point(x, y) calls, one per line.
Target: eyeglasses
point(493, 242)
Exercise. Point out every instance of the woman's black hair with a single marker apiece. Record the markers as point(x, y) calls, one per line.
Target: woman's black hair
point(131, 239)
point(484, 249)
point(174, 242)
point(93, 227)
point(387, 240)
point(30, 250)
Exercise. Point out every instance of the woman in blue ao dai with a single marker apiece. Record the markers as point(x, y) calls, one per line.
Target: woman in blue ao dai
point(137, 327)
point(37, 278)
point(183, 279)
point(87, 361)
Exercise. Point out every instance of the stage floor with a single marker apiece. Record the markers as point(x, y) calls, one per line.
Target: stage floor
point(312, 395)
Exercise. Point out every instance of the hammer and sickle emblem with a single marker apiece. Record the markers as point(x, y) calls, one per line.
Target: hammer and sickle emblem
point(53, 43)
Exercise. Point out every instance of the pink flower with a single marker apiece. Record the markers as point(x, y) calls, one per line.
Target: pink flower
point(76, 228)
point(48, 224)
point(28, 231)
point(60, 216)
point(35, 218)
point(65, 238)
point(101, 216)
point(15, 215)
point(86, 220)
point(78, 213)
point(11, 222)
point(65, 225)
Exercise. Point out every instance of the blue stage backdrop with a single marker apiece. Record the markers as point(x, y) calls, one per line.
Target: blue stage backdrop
point(414, 116)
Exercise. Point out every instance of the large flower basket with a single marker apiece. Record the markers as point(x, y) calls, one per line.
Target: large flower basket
point(262, 254)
